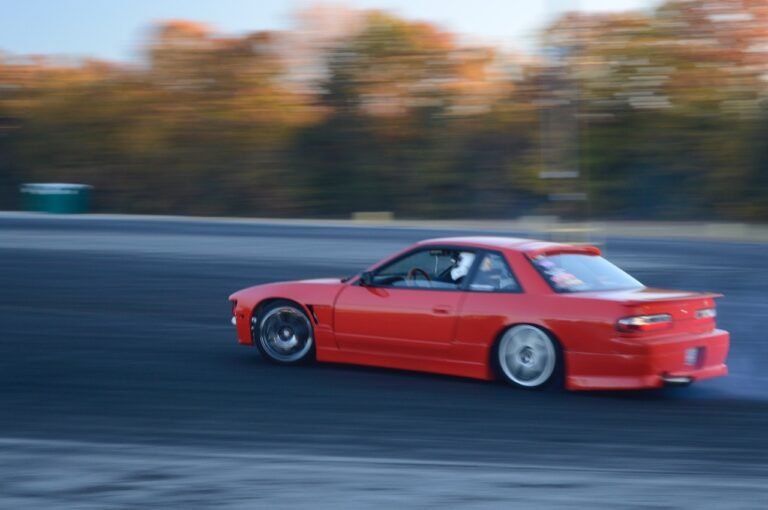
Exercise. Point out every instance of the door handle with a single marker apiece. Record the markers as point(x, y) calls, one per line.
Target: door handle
point(441, 310)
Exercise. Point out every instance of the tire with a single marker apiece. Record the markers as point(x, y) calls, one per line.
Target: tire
point(529, 357)
point(283, 334)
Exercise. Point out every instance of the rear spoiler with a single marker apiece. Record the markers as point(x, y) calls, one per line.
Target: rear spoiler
point(542, 249)
point(697, 295)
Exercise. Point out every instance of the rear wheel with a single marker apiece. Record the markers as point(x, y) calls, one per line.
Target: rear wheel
point(285, 334)
point(528, 357)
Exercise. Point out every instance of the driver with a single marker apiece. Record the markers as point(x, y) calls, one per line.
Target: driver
point(461, 266)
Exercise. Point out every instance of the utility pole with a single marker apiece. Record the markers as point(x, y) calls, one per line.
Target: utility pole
point(560, 130)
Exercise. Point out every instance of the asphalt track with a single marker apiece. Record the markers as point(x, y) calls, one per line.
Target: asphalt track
point(121, 386)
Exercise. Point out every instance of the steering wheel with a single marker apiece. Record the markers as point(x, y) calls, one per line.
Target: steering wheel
point(418, 271)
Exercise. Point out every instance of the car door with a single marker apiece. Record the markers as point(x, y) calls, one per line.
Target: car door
point(402, 316)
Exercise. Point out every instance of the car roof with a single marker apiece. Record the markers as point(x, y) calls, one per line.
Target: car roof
point(531, 247)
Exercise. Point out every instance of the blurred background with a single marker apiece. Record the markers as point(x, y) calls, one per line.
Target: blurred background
point(121, 383)
point(628, 109)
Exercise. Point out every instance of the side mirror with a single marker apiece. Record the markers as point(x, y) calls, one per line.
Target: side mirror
point(366, 279)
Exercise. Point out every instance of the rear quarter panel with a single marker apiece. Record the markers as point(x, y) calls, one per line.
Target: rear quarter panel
point(579, 325)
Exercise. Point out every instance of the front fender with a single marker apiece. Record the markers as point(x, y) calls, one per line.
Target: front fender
point(316, 297)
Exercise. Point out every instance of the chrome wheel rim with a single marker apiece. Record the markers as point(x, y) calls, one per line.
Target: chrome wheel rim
point(527, 356)
point(286, 334)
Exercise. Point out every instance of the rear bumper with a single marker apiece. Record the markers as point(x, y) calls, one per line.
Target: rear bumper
point(650, 363)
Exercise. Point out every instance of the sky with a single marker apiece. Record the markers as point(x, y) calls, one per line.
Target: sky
point(114, 30)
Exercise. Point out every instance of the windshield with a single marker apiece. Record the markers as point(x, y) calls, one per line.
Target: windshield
point(579, 272)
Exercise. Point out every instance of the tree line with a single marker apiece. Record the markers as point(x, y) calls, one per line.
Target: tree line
point(658, 115)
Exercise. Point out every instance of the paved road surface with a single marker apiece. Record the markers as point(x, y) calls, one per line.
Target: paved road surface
point(121, 386)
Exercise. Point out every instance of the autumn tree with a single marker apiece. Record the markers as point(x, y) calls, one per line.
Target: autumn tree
point(404, 126)
point(668, 101)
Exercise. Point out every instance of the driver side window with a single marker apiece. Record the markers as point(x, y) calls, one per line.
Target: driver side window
point(427, 269)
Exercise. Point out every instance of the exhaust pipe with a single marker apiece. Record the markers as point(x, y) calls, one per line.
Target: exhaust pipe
point(676, 380)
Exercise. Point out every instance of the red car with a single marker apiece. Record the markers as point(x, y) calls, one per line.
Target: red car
point(531, 312)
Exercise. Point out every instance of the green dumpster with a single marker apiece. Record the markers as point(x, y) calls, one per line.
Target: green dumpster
point(54, 197)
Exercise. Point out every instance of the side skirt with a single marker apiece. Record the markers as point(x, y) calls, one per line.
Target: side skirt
point(437, 366)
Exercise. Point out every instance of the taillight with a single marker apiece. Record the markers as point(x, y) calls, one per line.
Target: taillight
point(644, 323)
point(706, 313)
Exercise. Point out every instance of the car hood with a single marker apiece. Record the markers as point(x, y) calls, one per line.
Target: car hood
point(332, 281)
point(317, 290)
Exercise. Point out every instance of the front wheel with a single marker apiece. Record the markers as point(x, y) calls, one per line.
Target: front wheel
point(528, 357)
point(285, 334)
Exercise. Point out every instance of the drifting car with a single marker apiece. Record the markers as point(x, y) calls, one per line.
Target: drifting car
point(534, 313)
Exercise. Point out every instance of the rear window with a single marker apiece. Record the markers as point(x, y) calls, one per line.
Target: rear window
point(578, 272)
